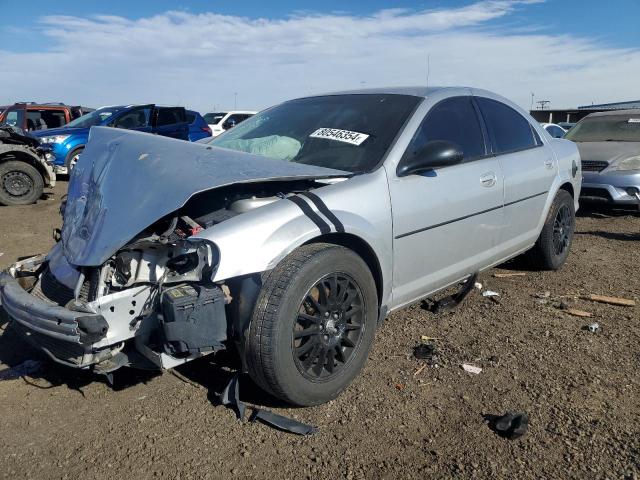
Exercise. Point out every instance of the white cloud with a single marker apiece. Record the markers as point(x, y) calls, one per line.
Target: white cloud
point(201, 60)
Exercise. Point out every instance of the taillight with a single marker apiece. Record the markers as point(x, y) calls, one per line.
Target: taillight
point(207, 129)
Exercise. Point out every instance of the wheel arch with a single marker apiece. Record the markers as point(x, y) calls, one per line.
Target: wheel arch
point(568, 188)
point(362, 249)
point(22, 156)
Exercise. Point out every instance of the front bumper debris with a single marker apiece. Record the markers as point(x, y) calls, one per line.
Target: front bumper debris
point(64, 334)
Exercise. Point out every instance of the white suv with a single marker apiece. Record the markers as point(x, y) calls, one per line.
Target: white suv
point(222, 121)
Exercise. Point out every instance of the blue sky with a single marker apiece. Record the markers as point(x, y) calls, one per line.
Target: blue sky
point(568, 51)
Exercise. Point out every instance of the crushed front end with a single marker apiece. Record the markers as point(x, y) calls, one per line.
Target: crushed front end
point(150, 305)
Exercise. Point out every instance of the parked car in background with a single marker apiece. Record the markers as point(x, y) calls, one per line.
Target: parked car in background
point(555, 130)
point(198, 128)
point(222, 121)
point(68, 142)
point(566, 125)
point(292, 236)
point(609, 144)
point(31, 116)
point(24, 168)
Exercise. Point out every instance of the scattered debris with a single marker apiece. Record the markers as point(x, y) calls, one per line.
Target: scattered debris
point(490, 293)
point(419, 371)
point(28, 367)
point(426, 338)
point(543, 295)
point(471, 368)
point(282, 423)
point(577, 313)
point(624, 302)
point(399, 386)
point(592, 327)
point(230, 396)
point(511, 425)
point(425, 351)
point(451, 301)
point(507, 275)
point(478, 285)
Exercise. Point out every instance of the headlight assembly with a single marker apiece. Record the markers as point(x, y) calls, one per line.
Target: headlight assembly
point(54, 139)
point(631, 163)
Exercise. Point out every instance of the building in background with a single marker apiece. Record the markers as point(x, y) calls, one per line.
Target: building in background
point(573, 115)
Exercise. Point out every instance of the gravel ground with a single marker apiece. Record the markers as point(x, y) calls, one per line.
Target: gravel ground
point(580, 389)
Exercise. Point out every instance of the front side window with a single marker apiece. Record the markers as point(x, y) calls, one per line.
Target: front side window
point(345, 132)
point(509, 130)
point(97, 117)
point(607, 128)
point(454, 120)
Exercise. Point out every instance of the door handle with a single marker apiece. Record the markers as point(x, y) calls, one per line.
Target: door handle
point(488, 179)
point(548, 163)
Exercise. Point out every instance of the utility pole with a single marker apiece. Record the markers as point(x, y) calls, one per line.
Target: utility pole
point(532, 96)
point(428, 67)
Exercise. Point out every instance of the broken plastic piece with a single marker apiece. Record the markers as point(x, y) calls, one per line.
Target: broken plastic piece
point(471, 368)
point(593, 327)
point(511, 425)
point(282, 423)
point(490, 293)
point(230, 397)
point(450, 302)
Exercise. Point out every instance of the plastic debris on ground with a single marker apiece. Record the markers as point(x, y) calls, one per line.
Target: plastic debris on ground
point(593, 327)
point(490, 293)
point(426, 351)
point(509, 275)
point(471, 368)
point(511, 425)
point(28, 367)
point(230, 397)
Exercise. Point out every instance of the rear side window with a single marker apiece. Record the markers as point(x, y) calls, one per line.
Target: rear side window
point(508, 130)
point(454, 120)
point(169, 116)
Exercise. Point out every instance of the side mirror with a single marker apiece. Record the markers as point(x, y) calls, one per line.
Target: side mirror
point(437, 153)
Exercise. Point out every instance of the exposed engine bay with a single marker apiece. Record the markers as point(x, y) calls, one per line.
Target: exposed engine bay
point(153, 304)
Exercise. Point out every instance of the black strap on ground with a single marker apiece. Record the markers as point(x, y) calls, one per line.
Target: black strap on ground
point(282, 423)
point(452, 301)
point(322, 207)
point(230, 397)
point(313, 216)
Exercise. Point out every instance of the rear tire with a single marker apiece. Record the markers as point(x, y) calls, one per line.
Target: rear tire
point(313, 324)
point(20, 183)
point(554, 243)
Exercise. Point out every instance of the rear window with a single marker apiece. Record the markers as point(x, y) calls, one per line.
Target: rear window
point(191, 118)
point(509, 130)
point(213, 118)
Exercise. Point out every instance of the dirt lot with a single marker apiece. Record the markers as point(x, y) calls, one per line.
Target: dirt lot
point(580, 389)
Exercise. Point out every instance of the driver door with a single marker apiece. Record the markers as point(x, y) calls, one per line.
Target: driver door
point(446, 221)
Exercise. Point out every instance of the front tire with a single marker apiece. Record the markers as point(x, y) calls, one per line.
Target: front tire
point(20, 183)
point(73, 158)
point(313, 324)
point(554, 243)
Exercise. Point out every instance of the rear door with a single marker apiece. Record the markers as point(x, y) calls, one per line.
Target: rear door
point(137, 118)
point(171, 122)
point(446, 221)
point(529, 169)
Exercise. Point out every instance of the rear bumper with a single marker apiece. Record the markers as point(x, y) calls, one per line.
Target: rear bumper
point(65, 335)
point(615, 187)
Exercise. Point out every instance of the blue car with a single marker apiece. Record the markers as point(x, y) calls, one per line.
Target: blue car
point(198, 128)
point(65, 144)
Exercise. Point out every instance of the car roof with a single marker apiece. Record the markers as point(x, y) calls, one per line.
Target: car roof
point(413, 91)
point(606, 113)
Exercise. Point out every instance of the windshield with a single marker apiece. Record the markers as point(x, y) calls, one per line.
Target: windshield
point(213, 118)
point(609, 128)
point(344, 132)
point(97, 117)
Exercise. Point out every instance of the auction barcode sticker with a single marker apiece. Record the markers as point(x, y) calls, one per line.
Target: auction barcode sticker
point(354, 138)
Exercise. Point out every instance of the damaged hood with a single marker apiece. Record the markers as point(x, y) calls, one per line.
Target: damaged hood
point(125, 181)
point(612, 152)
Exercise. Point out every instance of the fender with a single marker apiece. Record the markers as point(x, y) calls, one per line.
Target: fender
point(257, 240)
